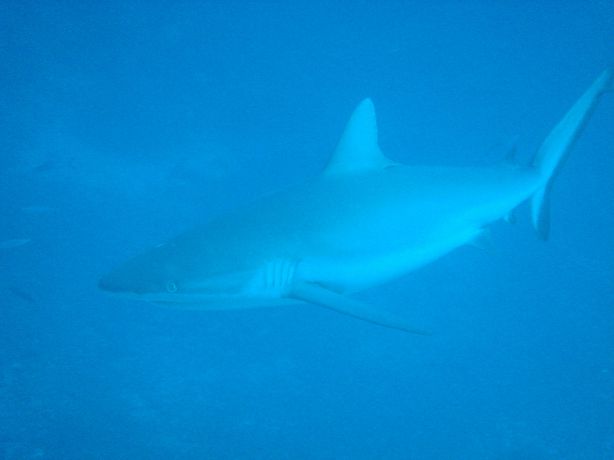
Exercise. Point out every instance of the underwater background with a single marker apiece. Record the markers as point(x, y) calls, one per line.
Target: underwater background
point(125, 123)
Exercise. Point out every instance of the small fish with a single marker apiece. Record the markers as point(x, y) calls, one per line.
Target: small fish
point(14, 243)
point(45, 166)
point(21, 294)
point(36, 210)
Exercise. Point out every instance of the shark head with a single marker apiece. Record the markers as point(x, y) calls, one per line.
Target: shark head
point(144, 275)
point(174, 274)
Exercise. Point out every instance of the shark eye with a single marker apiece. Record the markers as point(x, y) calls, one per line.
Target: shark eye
point(171, 286)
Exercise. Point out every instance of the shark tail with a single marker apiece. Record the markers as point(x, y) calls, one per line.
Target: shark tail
point(555, 149)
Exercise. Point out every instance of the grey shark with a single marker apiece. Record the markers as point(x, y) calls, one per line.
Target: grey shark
point(364, 221)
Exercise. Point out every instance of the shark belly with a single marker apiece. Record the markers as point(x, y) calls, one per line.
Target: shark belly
point(409, 226)
point(352, 273)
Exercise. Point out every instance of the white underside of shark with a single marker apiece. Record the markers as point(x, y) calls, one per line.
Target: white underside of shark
point(364, 221)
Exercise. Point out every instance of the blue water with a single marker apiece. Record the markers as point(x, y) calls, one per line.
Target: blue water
point(124, 123)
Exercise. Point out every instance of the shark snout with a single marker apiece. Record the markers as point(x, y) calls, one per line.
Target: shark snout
point(111, 283)
point(123, 280)
point(135, 277)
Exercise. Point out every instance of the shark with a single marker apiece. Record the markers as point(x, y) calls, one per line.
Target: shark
point(364, 221)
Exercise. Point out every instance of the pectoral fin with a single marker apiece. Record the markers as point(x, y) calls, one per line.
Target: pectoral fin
point(326, 298)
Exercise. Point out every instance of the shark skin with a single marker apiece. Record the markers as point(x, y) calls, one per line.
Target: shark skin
point(364, 221)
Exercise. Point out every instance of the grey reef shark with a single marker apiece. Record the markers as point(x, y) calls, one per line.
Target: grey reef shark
point(364, 221)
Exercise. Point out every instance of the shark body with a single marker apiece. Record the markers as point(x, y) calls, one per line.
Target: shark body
point(364, 221)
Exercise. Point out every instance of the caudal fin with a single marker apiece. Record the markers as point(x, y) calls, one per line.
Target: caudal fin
point(555, 149)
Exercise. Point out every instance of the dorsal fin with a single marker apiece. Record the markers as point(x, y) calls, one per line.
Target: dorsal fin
point(357, 150)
